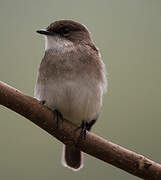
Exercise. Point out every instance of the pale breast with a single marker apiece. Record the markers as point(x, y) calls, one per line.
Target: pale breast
point(76, 100)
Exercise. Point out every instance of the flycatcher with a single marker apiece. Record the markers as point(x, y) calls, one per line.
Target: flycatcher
point(71, 79)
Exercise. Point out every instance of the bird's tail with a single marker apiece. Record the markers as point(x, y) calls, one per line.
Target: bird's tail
point(72, 158)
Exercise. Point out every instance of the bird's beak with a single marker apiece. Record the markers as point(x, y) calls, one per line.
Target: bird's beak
point(45, 32)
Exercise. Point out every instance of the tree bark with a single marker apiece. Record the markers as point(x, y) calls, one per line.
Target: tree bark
point(94, 145)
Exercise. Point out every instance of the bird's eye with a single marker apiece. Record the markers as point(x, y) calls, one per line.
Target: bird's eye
point(65, 31)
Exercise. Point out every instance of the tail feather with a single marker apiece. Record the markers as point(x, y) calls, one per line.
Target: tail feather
point(72, 158)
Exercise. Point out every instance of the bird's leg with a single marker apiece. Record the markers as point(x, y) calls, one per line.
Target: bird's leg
point(58, 117)
point(85, 126)
point(90, 124)
point(56, 113)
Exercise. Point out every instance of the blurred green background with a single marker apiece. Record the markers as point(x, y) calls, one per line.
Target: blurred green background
point(128, 33)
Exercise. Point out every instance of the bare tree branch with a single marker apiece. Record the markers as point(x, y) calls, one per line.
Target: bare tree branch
point(94, 145)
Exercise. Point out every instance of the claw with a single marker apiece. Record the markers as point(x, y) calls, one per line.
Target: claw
point(85, 126)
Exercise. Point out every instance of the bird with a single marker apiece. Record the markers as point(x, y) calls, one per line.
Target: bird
point(71, 80)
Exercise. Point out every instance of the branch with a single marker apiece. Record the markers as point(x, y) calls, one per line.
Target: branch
point(94, 145)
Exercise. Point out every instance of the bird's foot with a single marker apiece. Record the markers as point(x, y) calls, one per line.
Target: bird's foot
point(85, 126)
point(56, 113)
point(58, 117)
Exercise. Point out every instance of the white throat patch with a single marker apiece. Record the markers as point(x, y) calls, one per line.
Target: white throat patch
point(57, 44)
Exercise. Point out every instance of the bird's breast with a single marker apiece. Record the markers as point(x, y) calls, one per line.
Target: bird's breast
point(76, 99)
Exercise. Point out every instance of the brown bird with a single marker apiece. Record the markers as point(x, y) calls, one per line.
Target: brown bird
point(71, 79)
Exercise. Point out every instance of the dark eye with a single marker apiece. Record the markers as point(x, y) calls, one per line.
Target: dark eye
point(65, 31)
